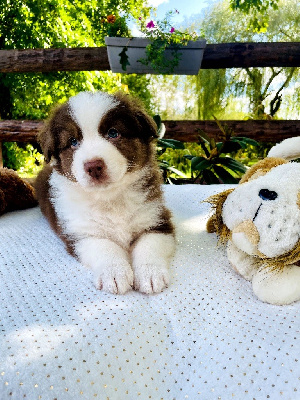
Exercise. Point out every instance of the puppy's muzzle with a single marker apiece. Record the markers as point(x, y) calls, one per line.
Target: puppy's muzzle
point(96, 169)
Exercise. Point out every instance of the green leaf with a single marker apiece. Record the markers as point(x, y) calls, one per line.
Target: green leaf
point(124, 59)
point(171, 144)
point(224, 175)
point(157, 120)
point(249, 141)
point(239, 143)
point(219, 146)
point(164, 164)
point(204, 148)
point(220, 126)
point(176, 171)
point(200, 163)
point(209, 177)
point(230, 163)
point(231, 146)
point(188, 156)
point(204, 136)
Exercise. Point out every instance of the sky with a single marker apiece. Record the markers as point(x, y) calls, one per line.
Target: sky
point(186, 8)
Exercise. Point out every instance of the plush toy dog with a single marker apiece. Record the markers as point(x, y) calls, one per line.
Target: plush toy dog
point(260, 221)
point(15, 193)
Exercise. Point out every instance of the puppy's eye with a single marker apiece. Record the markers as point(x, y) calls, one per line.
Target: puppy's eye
point(112, 133)
point(74, 143)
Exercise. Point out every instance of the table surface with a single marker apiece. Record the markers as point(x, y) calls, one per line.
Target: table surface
point(205, 337)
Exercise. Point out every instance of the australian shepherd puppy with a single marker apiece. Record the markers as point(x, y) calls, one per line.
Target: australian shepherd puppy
point(101, 191)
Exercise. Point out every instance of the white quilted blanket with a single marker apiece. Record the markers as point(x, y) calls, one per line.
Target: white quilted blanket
point(205, 337)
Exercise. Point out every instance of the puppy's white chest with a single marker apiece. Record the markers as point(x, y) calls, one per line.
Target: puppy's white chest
point(120, 218)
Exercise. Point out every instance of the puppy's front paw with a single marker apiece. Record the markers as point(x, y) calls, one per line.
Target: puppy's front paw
point(116, 279)
point(150, 278)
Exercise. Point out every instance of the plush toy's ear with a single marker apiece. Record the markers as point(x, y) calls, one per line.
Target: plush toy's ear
point(261, 168)
point(215, 223)
point(289, 149)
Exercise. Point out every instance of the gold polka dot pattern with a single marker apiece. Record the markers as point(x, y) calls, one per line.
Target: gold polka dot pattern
point(205, 337)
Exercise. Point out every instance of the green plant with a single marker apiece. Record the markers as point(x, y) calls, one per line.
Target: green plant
point(23, 158)
point(115, 26)
point(216, 166)
point(161, 146)
point(162, 36)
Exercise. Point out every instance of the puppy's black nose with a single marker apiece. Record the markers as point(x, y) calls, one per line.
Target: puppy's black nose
point(267, 194)
point(95, 168)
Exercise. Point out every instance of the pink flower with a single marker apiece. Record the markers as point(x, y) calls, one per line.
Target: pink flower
point(172, 30)
point(150, 25)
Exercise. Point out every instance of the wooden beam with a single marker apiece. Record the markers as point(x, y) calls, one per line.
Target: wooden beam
point(243, 55)
point(260, 130)
point(19, 131)
point(51, 60)
point(216, 56)
point(185, 131)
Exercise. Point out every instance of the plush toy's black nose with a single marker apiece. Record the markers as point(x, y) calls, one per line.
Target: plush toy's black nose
point(267, 194)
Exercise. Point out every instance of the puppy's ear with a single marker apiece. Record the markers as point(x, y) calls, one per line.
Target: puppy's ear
point(148, 125)
point(46, 141)
point(49, 136)
point(261, 168)
point(215, 223)
point(136, 107)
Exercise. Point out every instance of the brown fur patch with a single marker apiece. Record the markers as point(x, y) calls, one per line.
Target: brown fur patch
point(215, 223)
point(261, 168)
point(249, 229)
point(137, 131)
point(298, 199)
point(15, 193)
point(58, 130)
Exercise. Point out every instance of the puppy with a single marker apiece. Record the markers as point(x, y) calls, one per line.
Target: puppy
point(101, 191)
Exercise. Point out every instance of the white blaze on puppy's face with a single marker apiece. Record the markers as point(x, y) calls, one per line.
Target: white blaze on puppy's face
point(96, 160)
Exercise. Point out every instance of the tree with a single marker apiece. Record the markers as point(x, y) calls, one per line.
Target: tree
point(258, 9)
point(265, 92)
point(56, 23)
point(53, 23)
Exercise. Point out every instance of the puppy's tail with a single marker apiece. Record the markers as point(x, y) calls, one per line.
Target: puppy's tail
point(289, 149)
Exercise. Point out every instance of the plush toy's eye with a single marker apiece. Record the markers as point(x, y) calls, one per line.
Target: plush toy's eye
point(74, 143)
point(112, 133)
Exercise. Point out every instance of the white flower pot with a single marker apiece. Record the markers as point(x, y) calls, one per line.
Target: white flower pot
point(189, 64)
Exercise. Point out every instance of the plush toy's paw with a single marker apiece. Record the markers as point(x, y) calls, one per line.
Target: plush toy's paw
point(151, 278)
point(279, 286)
point(116, 279)
point(242, 262)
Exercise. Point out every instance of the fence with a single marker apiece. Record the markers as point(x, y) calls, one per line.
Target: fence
point(216, 56)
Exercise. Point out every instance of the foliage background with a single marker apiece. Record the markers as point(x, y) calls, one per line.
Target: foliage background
point(256, 93)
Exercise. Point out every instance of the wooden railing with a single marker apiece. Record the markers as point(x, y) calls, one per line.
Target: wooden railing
point(185, 131)
point(216, 56)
